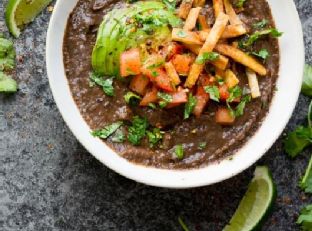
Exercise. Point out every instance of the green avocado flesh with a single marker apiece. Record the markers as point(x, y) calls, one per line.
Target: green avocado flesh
point(130, 27)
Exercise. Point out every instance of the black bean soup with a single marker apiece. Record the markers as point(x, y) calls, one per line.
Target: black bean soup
point(99, 110)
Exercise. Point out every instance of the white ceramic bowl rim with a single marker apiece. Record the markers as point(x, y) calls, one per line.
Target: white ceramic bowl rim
point(282, 106)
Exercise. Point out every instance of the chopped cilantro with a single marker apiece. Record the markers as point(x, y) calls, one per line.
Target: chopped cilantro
point(170, 4)
point(239, 111)
point(207, 56)
point(156, 65)
point(132, 98)
point(202, 145)
point(251, 39)
point(137, 130)
point(213, 92)
point(181, 34)
point(179, 152)
point(107, 130)
point(307, 81)
point(235, 92)
point(118, 136)
point(261, 24)
point(306, 181)
point(240, 3)
point(155, 73)
point(106, 84)
point(154, 136)
point(305, 218)
point(152, 105)
point(189, 106)
point(165, 99)
point(263, 54)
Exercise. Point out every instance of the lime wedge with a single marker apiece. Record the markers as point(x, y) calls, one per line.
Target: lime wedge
point(20, 12)
point(256, 203)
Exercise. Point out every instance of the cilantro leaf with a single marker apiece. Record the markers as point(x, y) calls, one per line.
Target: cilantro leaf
point(154, 136)
point(213, 92)
point(106, 84)
point(202, 145)
point(263, 54)
point(306, 181)
point(170, 4)
point(189, 106)
point(207, 56)
point(305, 218)
point(165, 99)
point(239, 110)
point(7, 55)
point(235, 92)
point(306, 87)
point(152, 105)
point(240, 3)
point(132, 98)
point(7, 83)
point(261, 24)
point(107, 130)
point(297, 140)
point(179, 152)
point(118, 136)
point(251, 39)
point(137, 130)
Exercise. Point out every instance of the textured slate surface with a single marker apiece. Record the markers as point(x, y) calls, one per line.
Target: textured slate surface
point(48, 181)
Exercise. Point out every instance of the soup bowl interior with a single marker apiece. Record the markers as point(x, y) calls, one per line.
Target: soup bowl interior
point(281, 108)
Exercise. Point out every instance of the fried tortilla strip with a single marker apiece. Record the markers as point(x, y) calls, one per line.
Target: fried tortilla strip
point(187, 37)
point(172, 73)
point(191, 19)
point(230, 79)
point(203, 22)
point(185, 8)
point(241, 57)
point(234, 19)
point(218, 7)
point(232, 31)
point(200, 3)
point(210, 43)
point(253, 83)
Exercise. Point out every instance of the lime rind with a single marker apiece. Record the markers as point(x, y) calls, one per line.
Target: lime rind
point(21, 12)
point(256, 203)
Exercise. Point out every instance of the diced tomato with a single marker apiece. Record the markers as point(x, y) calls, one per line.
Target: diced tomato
point(159, 77)
point(130, 62)
point(178, 98)
point(173, 49)
point(224, 92)
point(139, 84)
point(182, 63)
point(224, 117)
point(204, 80)
point(202, 99)
point(149, 97)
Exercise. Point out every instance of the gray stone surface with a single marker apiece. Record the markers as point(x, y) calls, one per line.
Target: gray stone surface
point(48, 181)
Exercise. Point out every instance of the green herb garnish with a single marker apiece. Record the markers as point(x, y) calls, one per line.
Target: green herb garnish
point(156, 65)
point(170, 4)
point(118, 136)
point(213, 92)
point(307, 81)
point(207, 56)
point(239, 111)
point(235, 93)
point(155, 73)
point(240, 3)
point(107, 130)
point(132, 98)
point(202, 145)
point(154, 136)
point(152, 105)
point(251, 39)
point(263, 54)
point(297, 140)
point(179, 152)
point(165, 99)
point(137, 130)
point(106, 84)
point(189, 106)
point(305, 218)
point(261, 24)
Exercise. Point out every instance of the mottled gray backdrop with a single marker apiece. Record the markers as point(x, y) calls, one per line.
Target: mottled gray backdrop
point(48, 181)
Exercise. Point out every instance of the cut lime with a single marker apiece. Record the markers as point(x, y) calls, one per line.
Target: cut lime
point(256, 203)
point(20, 12)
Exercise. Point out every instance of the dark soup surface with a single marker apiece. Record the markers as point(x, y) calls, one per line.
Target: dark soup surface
point(172, 86)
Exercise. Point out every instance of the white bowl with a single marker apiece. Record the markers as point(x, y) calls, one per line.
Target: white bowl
point(282, 106)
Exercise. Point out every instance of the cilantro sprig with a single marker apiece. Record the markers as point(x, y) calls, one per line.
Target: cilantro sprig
point(137, 130)
point(106, 84)
point(189, 106)
point(251, 39)
point(107, 131)
point(207, 56)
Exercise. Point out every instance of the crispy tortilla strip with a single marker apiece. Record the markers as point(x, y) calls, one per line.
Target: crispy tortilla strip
point(230, 79)
point(234, 19)
point(191, 19)
point(210, 43)
point(187, 37)
point(232, 31)
point(172, 73)
point(253, 83)
point(241, 57)
point(203, 22)
point(200, 3)
point(185, 8)
point(218, 7)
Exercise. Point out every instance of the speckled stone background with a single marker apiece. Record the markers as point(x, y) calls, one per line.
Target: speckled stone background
point(48, 181)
